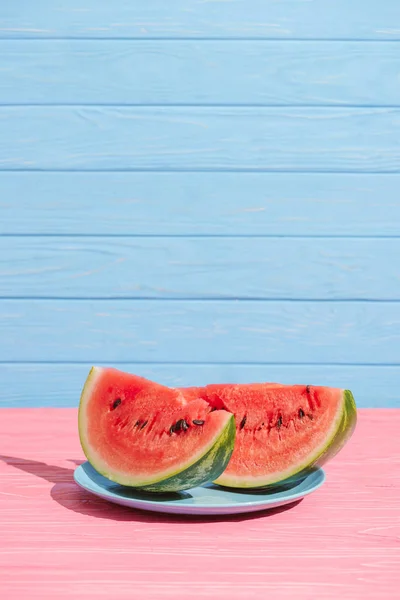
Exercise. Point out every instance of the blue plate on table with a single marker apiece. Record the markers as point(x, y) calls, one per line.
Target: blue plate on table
point(208, 500)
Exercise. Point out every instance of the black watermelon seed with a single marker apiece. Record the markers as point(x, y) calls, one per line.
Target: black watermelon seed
point(137, 423)
point(198, 422)
point(116, 403)
point(181, 425)
point(308, 389)
point(301, 413)
point(243, 422)
point(279, 422)
point(176, 427)
point(143, 424)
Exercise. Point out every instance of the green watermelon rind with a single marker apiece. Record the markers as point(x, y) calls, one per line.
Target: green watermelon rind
point(341, 433)
point(205, 469)
point(344, 431)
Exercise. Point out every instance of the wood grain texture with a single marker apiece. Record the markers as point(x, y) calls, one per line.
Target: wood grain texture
point(57, 541)
point(193, 72)
point(199, 203)
point(286, 19)
point(34, 384)
point(150, 144)
point(200, 331)
point(181, 138)
point(206, 267)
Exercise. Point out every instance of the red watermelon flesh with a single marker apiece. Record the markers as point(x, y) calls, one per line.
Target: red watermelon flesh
point(142, 434)
point(281, 431)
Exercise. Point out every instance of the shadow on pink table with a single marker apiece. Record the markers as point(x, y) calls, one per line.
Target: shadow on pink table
point(67, 494)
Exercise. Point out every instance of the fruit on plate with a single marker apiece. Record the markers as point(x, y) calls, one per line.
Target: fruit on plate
point(141, 434)
point(282, 431)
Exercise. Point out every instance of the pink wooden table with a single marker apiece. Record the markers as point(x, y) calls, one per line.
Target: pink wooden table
point(56, 541)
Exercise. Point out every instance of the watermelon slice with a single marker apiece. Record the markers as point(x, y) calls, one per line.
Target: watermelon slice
point(281, 431)
point(141, 434)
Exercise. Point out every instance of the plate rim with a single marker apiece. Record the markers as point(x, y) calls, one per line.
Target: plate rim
point(263, 503)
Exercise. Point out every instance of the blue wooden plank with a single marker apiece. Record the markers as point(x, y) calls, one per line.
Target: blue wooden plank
point(30, 385)
point(206, 267)
point(325, 139)
point(190, 18)
point(199, 203)
point(190, 72)
point(200, 331)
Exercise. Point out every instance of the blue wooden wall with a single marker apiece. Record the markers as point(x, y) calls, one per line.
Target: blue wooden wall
point(199, 191)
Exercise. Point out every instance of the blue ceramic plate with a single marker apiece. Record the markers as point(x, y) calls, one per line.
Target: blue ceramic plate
point(207, 500)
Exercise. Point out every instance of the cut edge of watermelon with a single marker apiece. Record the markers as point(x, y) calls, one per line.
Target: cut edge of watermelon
point(217, 450)
point(341, 430)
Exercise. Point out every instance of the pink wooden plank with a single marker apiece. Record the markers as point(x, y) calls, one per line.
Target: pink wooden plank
point(57, 541)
